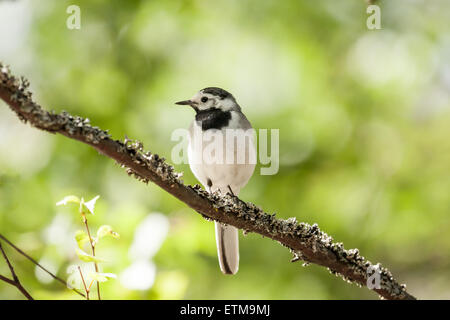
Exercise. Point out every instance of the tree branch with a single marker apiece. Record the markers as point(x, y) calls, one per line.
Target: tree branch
point(306, 242)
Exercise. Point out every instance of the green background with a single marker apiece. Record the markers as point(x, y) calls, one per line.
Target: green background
point(364, 119)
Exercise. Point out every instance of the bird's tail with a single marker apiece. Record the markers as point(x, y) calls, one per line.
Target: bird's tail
point(227, 240)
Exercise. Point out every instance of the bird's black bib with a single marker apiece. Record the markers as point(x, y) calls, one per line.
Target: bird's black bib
point(213, 118)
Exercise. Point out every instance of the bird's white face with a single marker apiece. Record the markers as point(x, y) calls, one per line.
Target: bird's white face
point(202, 101)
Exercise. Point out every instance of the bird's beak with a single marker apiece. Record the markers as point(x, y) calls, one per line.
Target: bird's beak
point(185, 103)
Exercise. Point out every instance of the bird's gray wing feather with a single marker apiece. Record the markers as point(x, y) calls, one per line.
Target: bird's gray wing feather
point(243, 122)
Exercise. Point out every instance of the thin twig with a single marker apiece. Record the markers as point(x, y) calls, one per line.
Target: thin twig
point(37, 264)
point(306, 242)
point(15, 282)
point(93, 252)
point(7, 280)
point(13, 273)
point(84, 283)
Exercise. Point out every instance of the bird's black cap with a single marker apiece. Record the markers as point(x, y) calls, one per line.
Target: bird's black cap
point(222, 94)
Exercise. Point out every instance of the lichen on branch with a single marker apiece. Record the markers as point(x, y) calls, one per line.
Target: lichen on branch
point(306, 242)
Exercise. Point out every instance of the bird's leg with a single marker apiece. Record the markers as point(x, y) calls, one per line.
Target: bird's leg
point(209, 185)
point(231, 191)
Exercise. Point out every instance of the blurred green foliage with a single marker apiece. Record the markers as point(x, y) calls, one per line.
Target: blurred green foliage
point(364, 119)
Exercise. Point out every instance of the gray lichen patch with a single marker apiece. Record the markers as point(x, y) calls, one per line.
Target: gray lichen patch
point(153, 162)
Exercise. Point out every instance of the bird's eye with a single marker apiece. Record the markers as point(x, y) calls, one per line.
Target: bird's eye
point(204, 99)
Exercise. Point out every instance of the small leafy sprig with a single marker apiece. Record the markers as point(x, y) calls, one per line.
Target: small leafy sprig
point(84, 237)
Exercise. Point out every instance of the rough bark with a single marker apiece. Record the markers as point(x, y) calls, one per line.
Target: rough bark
point(306, 242)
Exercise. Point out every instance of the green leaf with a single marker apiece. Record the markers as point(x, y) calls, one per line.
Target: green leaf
point(102, 277)
point(106, 230)
point(68, 199)
point(90, 205)
point(81, 237)
point(87, 257)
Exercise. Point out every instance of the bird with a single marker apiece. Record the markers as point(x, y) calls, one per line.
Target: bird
point(217, 114)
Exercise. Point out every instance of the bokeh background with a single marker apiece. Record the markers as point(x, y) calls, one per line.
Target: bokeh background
point(364, 119)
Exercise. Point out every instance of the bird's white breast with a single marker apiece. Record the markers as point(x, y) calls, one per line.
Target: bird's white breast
point(226, 169)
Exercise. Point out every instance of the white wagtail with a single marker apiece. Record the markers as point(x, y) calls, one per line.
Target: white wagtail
point(218, 114)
